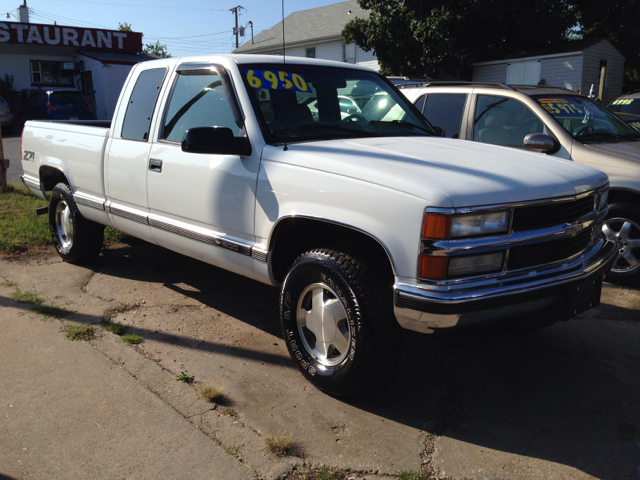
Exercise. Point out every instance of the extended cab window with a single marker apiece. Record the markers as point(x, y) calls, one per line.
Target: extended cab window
point(445, 110)
point(197, 100)
point(137, 118)
point(503, 121)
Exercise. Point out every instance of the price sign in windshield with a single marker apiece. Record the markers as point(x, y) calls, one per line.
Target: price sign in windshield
point(560, 106)
point(623, 101)
point(276, 80)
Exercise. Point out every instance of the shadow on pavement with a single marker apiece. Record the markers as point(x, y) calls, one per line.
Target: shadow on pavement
point(567, 394)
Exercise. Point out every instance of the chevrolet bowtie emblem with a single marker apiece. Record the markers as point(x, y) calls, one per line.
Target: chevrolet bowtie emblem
point(573, 229)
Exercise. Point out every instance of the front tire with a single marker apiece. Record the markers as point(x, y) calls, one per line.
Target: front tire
point(338, 323)
point(77, 240)
point(623, 226)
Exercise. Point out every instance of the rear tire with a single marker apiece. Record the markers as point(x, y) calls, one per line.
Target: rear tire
point(337, 320)
point(623, 226)
point(77, 240)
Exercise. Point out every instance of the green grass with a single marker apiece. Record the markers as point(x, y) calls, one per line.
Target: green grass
point(20, 227)
point(52, 311)
point(411, 475)
point(27, 297)
point(132, 338)
point(281, 445)
point(9, 283)
point(230, 412)
point(111, 235)
point(185, 377)
point(79, 332)
point(211, 393)
point(233, 450)
point(115, 327)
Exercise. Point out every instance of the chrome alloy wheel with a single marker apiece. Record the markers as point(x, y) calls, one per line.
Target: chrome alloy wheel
point(323, 324)
point(627, 234)
point(64, 226)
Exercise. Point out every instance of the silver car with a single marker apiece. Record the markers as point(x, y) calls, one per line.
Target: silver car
point(558, 123)
point(6, 116)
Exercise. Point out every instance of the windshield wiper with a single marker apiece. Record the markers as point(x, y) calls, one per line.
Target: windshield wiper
point(403, 124)
point(600, 136)
point(321, 126)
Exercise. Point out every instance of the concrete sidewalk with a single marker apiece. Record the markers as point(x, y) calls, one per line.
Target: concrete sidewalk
point(68, 411)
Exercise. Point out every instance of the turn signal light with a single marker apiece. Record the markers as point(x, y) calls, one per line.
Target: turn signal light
point(436, 226)
point(432, 267)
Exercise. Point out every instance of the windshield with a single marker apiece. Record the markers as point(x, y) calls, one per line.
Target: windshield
point(585, 120)
point(298, 103)
point(626, 105)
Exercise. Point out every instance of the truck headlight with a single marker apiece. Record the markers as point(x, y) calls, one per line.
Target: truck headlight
point(439, 226)
point(443, 226)
point(471, 225)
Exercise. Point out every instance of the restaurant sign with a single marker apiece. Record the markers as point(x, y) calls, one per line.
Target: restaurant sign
point(55, 35)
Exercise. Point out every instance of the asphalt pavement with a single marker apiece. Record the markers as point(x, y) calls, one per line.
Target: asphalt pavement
point(558, 403)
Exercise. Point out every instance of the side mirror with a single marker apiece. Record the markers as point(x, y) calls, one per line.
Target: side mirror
point(541, 142)
point(214, 140)
point(439, 130)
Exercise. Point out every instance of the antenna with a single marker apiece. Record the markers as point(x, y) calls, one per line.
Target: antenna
point(284, 62)
point(284, 50)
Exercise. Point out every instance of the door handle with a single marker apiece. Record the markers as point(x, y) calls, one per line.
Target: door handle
point(155, 165)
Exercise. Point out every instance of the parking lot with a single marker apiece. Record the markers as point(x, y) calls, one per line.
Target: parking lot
point(557, 403)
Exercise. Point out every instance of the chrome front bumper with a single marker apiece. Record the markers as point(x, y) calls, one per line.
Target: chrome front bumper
point(563, 289)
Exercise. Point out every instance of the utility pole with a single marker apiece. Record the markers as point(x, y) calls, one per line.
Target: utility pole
point(235, 12)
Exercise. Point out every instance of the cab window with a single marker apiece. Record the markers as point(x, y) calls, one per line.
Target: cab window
point(445, 110)
point(197, 100)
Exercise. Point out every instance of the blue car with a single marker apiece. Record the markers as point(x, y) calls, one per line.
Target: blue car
point(57, 105)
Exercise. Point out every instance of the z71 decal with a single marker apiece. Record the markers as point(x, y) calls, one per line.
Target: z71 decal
point(29, 156)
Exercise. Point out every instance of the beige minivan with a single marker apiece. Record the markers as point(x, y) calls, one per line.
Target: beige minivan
point(556, 122)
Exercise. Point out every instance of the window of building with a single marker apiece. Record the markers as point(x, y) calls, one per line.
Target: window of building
point(350, 52)
point(51, 73)
point(311, 52)
point(524, 73)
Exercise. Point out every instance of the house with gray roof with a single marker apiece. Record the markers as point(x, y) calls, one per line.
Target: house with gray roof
point(314, 33)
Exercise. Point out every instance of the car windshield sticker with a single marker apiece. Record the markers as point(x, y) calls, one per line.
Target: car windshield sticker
point(276, 80)
point(623, 101)
point(560, 106)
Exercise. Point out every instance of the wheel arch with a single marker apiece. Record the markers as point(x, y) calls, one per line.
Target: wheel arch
point(294, 235)
point(50, 177)
point(622, 195)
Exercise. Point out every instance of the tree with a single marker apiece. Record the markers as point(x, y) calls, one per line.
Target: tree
point(619, 22)
point(441, 38)
point(156, 49)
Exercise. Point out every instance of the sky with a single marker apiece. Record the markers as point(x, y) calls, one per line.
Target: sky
point(195, 28)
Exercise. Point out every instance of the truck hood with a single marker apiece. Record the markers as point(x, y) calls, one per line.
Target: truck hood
point(445, 172)
point(629, 150)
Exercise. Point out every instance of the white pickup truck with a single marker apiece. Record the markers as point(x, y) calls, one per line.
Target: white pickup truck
point(368, 221)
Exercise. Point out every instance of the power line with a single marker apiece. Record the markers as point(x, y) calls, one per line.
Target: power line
point(141, 6)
